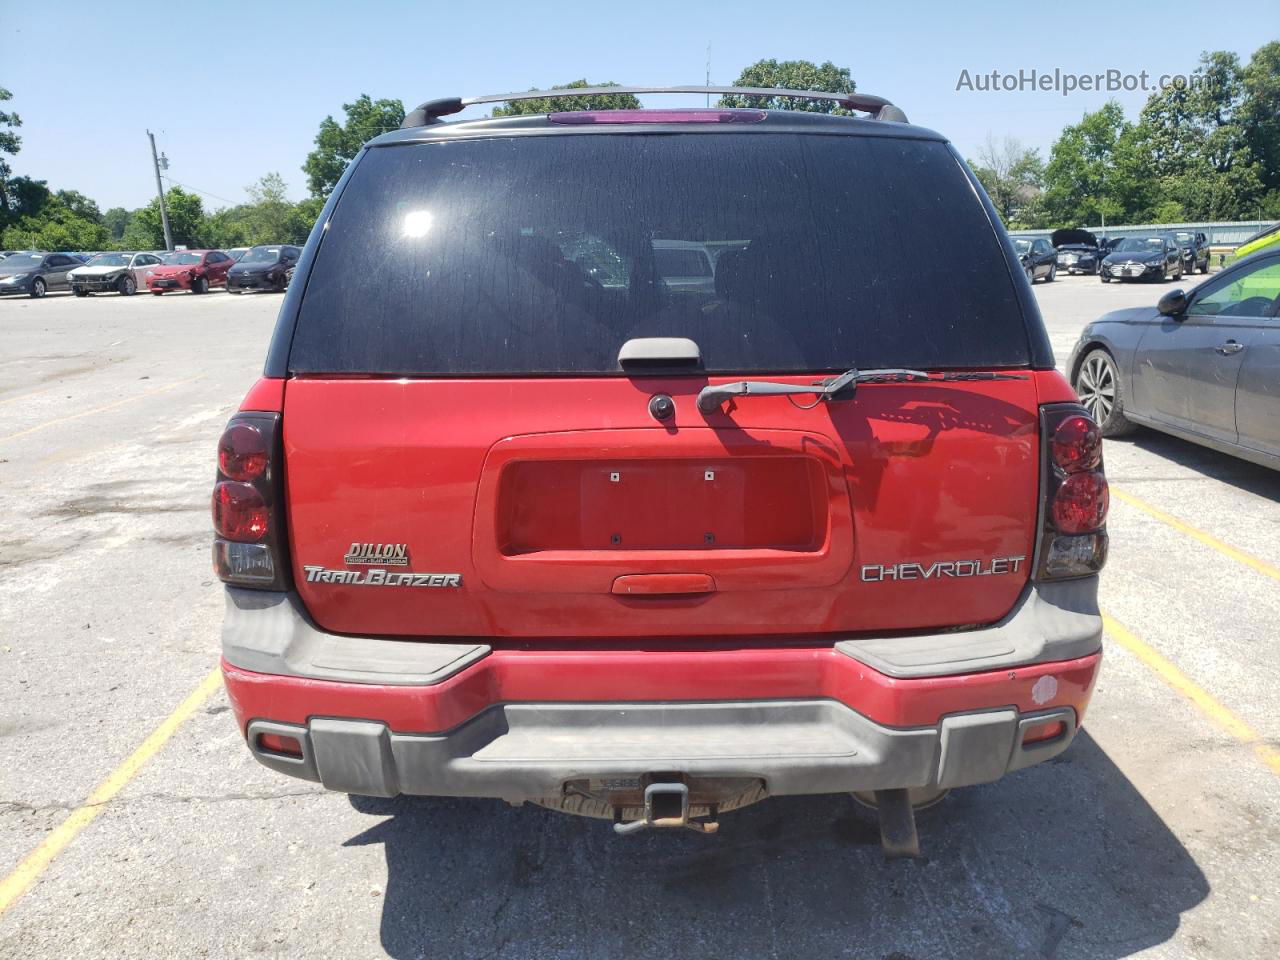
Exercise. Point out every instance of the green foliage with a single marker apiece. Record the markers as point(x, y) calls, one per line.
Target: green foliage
point(115, 220)
point(1259, 117)
point(26, 197)
point(1078, 176)
point(55, 227)
point(1196, 145)
point(607, 101)
point(10, 143)
point(79, 204)
point(792, 75)
point(269, 217)
point(145, 230)
point(1208, 152)
point(337, 144)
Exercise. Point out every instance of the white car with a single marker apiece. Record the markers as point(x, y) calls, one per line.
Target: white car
point(122, 272)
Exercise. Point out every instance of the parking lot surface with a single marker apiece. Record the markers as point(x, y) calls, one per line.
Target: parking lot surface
point(155, 834)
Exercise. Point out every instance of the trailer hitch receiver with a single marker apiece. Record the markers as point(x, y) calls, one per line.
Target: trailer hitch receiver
point(666, 804)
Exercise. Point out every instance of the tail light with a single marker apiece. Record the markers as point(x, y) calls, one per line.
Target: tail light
point(249, 549)
point(1074, 495)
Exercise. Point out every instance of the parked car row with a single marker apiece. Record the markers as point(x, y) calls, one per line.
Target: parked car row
point(1117, 258)
point(264, 267)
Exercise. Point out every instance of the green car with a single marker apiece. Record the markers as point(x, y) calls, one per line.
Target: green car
point(1268, 238)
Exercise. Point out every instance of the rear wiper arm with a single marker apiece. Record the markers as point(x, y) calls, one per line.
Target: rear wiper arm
point(842, 387)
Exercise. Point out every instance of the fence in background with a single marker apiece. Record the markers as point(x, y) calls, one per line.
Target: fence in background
point(1220, 234)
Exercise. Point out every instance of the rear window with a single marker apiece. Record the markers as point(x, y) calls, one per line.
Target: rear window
point(544, 254)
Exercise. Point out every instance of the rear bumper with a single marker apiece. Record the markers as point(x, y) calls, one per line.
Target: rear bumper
point(530, 751)
point(383, 717)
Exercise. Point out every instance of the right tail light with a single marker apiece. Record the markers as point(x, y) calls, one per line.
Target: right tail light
point(1074, 495)
point(248, 504)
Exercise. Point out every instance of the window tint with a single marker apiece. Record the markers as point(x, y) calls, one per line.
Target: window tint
point(1253, 293)
point(544, 254)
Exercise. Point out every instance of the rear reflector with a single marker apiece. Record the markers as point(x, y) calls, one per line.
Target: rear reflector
point(1044, 731)
point(657, 116)
point(278, 743)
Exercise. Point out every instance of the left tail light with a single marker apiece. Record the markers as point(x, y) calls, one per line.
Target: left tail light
point(250, 546)
point(1074, 494)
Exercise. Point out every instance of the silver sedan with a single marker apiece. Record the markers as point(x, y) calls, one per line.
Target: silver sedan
point(1203, 366)
point(125, 273)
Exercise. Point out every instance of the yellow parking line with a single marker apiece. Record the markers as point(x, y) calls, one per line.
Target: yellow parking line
point(23, 396)
point(25, 873)
point(1199, 535)
point(1192, 691)
point(110, 406)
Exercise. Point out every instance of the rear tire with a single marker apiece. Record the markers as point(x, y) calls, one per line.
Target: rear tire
point(1031, 275)
point(157, 293)
point(1098, 385)
point(1053, 274)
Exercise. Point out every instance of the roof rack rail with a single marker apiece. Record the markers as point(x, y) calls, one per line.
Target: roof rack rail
point(431, 111)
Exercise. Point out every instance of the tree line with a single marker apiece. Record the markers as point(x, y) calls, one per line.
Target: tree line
point(1209, 153)
point(1203, 154)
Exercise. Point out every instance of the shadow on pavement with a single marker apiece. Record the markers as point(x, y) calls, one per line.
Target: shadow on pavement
point(1223, 467)
point(1062, 860)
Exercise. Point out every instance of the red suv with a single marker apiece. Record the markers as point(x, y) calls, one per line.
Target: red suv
point(512, 515)
point(194, 270)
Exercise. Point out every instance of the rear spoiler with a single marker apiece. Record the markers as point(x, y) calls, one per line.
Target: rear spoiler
point(431, 111)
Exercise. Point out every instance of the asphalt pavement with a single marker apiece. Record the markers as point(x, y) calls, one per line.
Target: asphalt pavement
point(1156, 835)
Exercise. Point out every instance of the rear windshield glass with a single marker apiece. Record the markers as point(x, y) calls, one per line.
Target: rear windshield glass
point(544, 254)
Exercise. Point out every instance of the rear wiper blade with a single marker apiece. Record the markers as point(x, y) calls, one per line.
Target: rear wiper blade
point(842, 387)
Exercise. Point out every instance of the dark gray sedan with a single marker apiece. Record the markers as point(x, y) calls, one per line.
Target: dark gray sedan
point(1204, 366)
point(35, 274)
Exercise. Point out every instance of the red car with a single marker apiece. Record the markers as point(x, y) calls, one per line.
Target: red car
point(194, 270)
point(512, 516)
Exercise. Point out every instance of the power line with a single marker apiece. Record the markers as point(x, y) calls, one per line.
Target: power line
point(205, 193)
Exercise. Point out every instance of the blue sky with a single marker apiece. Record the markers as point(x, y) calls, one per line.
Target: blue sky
point(236, 90)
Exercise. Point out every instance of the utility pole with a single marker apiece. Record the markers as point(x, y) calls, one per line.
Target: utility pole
point(164, 214)
point(708, 74)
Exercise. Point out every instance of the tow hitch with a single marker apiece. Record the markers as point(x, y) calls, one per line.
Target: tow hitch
point(666, 804)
